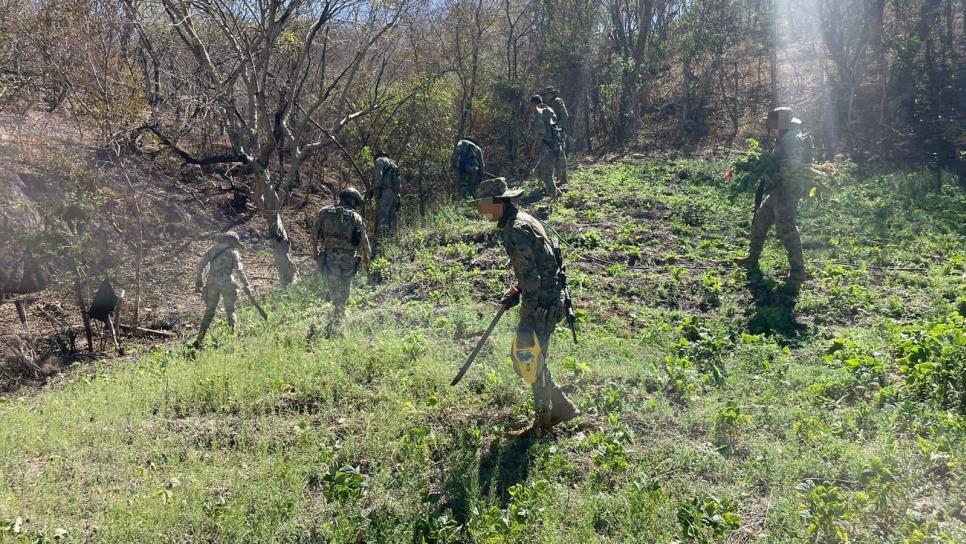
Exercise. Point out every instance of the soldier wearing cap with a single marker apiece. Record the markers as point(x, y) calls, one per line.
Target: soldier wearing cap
point(536, 262)
point(224, 276)
point(547, 146)
point(551, 97)
point(341, 231)
point(386, 189)
point(780, 204)
point(468, 163)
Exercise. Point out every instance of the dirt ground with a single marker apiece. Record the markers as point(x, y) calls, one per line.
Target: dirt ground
point(186, 206)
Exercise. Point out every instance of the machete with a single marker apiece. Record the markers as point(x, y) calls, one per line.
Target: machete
point(479, 346)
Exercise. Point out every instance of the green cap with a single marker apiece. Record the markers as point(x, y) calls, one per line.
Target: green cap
point(497, 188)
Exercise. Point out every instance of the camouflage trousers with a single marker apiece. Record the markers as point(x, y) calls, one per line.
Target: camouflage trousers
point(778, 210)
point(387, 214)
point(225, 290)
point(549, 401)
point(337, 269)
point(552, 167)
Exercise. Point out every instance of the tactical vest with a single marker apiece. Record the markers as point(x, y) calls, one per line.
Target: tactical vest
point(546, 253)
point(339, 227)
point(223, 263)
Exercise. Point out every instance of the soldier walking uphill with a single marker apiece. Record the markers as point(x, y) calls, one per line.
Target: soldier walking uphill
point(342, 234)
point(780, 205)
point(546, 146)
point(538, 266)
point(551, 97)
point(385, 189)
point(468, 163)
point(224, 276)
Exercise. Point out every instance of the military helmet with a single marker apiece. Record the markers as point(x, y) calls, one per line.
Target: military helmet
point(230, 237)
point(351, 197)
point(782, 119)
point(549, 90)
point(496, 188)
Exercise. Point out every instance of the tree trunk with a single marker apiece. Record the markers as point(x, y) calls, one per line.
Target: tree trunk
point(287, 273)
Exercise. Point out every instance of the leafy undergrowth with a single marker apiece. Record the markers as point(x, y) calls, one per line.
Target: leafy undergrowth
point(719, 405)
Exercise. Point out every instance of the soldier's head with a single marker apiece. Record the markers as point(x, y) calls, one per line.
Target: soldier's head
point(782, 120)
point(494, 196)
point(230, 238)
point(350, 198)
point(535, 101)
point(549, 93)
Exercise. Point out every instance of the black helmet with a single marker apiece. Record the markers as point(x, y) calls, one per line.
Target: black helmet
point(351, 198)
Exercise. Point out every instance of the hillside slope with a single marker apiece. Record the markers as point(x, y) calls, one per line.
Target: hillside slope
point(719, 406)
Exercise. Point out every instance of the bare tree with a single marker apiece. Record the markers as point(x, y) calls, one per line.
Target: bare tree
point(281, 75)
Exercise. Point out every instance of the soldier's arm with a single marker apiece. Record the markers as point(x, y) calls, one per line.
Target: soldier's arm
point(524, 263)
point(316, 229)
point(242, 278)
point(200, 268)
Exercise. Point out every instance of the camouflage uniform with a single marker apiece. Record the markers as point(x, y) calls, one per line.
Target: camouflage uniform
point(224, 277)
point(560, 108)
point(386, 189)
point(342, 233)
point(468, 163)
point(553, 162)
point(535, 265)
point(780, 204)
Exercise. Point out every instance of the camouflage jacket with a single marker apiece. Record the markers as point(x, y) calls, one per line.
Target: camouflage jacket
point(385, 183)
point(531, 253)
point(563, 116)
point(468, 157)
point(545, 126)
point(340, 228)
point(226, 266)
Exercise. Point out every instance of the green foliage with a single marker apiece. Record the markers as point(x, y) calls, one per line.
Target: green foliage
point(728, 423)
point(705, 520)
point(827, 511)
point(932, 359)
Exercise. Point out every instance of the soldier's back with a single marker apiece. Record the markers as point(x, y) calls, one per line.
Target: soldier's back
point(341, 227)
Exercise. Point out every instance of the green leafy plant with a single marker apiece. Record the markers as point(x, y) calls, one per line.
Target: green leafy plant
point(704, 520)
point(728, 423)
point(827, 511)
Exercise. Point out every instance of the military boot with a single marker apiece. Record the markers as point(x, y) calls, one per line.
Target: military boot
point(562, 409)
point(750, 261)
point(799, 275)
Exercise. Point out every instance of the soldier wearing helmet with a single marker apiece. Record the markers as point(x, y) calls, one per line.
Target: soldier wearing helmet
point(341, 232)
point(537, 264)
point(224, 277)
point(780, 204)
point(547, 146)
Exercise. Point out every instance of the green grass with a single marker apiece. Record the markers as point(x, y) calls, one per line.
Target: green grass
point(716, 405)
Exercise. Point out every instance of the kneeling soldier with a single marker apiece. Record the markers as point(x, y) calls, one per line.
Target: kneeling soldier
point(342, 233)
point(538, 267)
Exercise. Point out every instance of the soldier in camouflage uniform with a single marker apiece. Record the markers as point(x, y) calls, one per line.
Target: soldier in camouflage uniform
point(468, 163)
point(385, 188)
point(547, 146)
point(551, 97)
point(342, 233)
point(780, 205)
point(224, 277)
point(541, 298)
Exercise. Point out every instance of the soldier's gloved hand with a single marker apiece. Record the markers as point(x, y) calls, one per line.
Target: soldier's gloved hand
point(511, 298)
